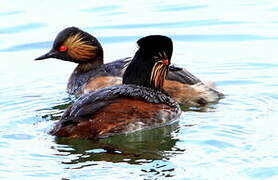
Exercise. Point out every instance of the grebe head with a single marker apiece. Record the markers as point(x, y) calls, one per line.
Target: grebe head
point(149, 66)
point(73, 44)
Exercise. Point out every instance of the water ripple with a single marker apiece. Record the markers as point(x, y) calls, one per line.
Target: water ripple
point(101, 8)
point(21, 28)
point(28, 46)
point(180, 37)
point(264, 172)
point(113, 13)
point(18, 136)
point(169, 8)
point(274, 9)
point(182, 24)
point(222, 38)
point(10, 13)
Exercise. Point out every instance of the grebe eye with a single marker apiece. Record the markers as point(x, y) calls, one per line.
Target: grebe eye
point(63, 48)
point(165, 62)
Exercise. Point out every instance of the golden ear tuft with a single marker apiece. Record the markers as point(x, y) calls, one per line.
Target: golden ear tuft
point(160, 56)
point(79, 48)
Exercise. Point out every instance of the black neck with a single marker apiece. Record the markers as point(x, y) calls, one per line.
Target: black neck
point(89, 65)
point(139, 70)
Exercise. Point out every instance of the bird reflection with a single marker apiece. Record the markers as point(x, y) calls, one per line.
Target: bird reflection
point(135, 148)
point(211, 107)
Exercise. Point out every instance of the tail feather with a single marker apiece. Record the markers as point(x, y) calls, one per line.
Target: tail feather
point(207, 92)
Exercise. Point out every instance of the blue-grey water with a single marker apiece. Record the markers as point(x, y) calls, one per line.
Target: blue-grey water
point(233, 43)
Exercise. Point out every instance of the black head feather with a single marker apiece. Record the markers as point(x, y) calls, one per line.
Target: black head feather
point(156, 43)
point(139, 70)
point(65, 35)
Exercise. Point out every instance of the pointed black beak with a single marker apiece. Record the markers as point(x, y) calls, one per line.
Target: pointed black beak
point(50, 54)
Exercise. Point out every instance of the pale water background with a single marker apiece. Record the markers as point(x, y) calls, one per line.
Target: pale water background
point(234, 43)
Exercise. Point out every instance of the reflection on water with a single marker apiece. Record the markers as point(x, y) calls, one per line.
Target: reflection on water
point(135, 148)
point(233, 43)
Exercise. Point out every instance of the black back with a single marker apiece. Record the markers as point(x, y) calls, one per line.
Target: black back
point(89, 103)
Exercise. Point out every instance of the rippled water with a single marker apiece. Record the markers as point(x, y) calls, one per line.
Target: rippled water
point(233, 43)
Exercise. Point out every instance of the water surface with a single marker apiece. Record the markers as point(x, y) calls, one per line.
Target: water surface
point(232, 43)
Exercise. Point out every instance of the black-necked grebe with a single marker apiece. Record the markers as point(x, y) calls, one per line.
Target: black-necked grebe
point(74, 45)
point(138, 103)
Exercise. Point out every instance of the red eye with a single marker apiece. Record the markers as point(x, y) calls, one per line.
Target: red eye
point(63, 48)
point(166, 62)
